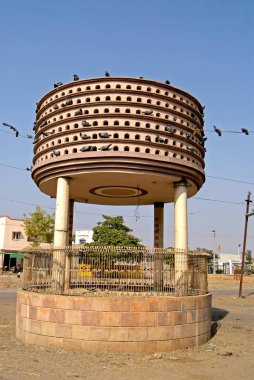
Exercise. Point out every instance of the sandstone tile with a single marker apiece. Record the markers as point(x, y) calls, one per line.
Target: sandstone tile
point(138, 334)
point(147, 319)
point(130, 319)
point(63, 330)
point(73, 317)
point(118, 334)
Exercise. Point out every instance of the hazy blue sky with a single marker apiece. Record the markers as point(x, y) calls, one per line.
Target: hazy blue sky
point(204, 47)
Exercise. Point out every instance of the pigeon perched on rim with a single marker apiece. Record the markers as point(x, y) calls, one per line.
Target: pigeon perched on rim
point(56, 153)
point(69, 102)
point(169, 128)
point(55, 107)
point(85, 124)
point(167, 82)
point(75, 77)
point(148, 138)
point(84, 136)
point(104, 135)
point(148, 112)
point(105, 147)
point(58, 84)
point(86, 148)
point(107, 74)
point(78, 112)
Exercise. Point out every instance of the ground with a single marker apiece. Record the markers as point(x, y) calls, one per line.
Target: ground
point(229, 354)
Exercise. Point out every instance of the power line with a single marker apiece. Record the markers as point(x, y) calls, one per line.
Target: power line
point(11, 133)
point(218, 200)
point(230, 179)
point(14, 167)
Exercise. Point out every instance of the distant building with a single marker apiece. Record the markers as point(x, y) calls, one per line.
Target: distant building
point(13, 240)
point(83, 236)
point(228, 262)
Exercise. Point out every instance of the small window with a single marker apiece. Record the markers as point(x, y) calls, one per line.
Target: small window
point(147, 125)
point(166, 105)
point(128, 99)
point(126, 123)
point(158, 103)
point(126, 136)
point(86, 112)
point(88, 100)
point(63, 93)
point(16, 235)
point(97, 99)
point(61, 117)
point(157, 126)
point(149, 101)
point(75, 138)
point(78, 101)
point(137, 149)
point(96, 111)
point(116, 122)
point(66, 151)
point(147, 150)
point(107, 86)
point(59, 129)
point(157, 152)
point(118, 86)
point(97, 87)
point(70, 91)
point(118, 98)
point(127, 110)
point(166, 93)
point(106, 110)
point(126, 149)
point(138, 112)
point(59, 141)
point(67, 127)
point(137, 124)
point(94, 136)
point(115, 148)
point(117, 110)
point(95, 123)
point(138, 87)
point(75, 125)
point(66, 139)
point(139, 100)
point(105, 122)
point(78, 89)
point(137, 137)
point(128, 87)
point(148, 89)
point(88, 88)
point(166, 154)
point(174, 155)
point(108, 98)
point(68, 115)
point(116, 135)
point(74, 150)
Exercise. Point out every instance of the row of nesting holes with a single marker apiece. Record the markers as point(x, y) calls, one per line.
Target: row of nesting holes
point(115, 136)
point(116, 123)
point(127, 149)
point(117, 110)
point(128, 99)
point(128, 87)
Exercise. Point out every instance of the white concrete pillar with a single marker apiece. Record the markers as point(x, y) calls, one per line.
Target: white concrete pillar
point(62, 212)
point(181, 231)
point(1, 262)
point(61, 233)
point(158, 243)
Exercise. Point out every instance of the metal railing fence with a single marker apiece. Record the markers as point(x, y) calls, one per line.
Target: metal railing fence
point(85, 269)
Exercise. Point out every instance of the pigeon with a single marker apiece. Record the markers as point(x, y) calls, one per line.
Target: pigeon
point(55, 107)
point(58, 84)
point(244, 130)
point(84, 136)
point(12, 128)
point(29, 136)
point(29, 169)
point(104, 135)
point(159, 139)
point(56, 153)
point(190, 147)
point(141, 77)
point(75, 77)
point(68, 102)
point(169, 128)
point(78, 112)
point(148, 112)
point(85, 123)
point(167, 82)
point(107, 74)
point(174, 118)
point(43, 124)
point(45, 134)
point(217, 130)
point(87, 148)
point(36, 140)
point(204, 139)
point(105, 147)
point(188, 135)
point(148, 138)
point(193, 115)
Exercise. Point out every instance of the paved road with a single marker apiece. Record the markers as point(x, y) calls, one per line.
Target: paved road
point(8, 296)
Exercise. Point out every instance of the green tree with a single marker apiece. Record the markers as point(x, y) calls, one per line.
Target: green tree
point(248, 257)
point(112, 231)
point(39, 227)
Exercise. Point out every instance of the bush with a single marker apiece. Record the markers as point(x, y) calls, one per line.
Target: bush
point(219, 271)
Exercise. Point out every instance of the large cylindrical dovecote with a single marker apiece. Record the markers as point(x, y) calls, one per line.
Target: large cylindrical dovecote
point(118, 139)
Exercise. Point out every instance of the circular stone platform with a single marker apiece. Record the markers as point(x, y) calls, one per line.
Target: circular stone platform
point(113, 323)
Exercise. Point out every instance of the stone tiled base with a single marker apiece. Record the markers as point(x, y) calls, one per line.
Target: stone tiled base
point(113, 324)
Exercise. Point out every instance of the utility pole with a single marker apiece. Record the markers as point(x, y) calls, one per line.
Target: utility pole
point(247, 214)
point(214, 250)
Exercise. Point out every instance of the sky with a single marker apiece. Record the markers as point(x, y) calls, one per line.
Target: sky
point(203, 47)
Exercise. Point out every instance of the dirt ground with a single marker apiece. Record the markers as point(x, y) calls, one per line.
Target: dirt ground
point(229, 354)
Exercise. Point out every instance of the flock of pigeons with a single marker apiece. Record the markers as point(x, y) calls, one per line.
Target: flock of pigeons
point(107, 147)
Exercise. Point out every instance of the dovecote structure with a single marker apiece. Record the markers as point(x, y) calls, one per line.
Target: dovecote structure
point(119, 141)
